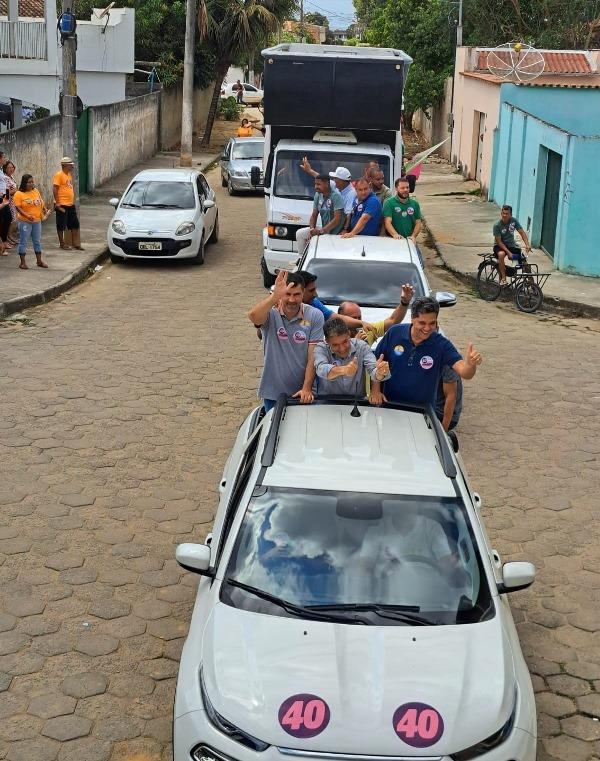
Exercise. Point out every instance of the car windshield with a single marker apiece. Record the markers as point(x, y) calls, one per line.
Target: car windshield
point(160, 195)
point(368, 283)
point(291, 181)
point(394, 558)
point(250, 150)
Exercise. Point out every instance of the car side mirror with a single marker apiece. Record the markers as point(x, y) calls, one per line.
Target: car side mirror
point(477, 500)
point(223, 157)
point(255, 176)
point(208, 205)
point(515, 576)
point(114, 202)
point(445, 299)
point(194, 558)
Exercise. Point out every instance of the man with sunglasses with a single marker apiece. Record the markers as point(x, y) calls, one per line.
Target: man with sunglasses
point(417, 354)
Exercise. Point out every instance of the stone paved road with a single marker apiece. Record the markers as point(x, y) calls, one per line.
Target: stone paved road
point(118, 405)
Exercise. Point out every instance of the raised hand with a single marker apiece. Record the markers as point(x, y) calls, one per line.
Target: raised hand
point(473, 356)
point(382, 368)
point(280, 286)
point(305, 164)
point(407, 293)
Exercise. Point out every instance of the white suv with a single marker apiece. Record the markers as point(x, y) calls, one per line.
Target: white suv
point(350, 605)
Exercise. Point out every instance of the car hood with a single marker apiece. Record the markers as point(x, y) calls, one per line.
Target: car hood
point(291, 210)
point(153, 221)
point(245, 164)
point(254, 662)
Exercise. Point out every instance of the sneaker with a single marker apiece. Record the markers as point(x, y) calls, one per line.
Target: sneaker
point(503, 283)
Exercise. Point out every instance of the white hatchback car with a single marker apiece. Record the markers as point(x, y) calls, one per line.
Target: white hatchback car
point(368, 270)
point(252, 95)
point(351, 606)
point(164, 214)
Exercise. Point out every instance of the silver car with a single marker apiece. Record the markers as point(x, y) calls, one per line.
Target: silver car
point(238, 158)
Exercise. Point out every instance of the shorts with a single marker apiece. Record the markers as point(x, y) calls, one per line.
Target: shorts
point(67, 219)
point(517, 256)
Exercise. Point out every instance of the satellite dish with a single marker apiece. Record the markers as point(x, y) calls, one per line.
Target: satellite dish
point(516, 61)
point(107, 10)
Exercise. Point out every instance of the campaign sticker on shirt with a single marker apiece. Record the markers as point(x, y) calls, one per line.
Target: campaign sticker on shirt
point(418, 724)
point(359, 207)
point(426, 362)
point(403, 213)
point(397, 209)
point(282, 334)
point(398, 350)
point(410, 210)
point(304, 715)
point(299, 337)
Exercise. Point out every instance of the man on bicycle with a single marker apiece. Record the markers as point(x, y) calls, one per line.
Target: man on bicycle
point(506, 245)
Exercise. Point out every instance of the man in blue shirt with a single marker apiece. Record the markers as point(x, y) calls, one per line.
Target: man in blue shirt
point(366, 213)
point(417, 355)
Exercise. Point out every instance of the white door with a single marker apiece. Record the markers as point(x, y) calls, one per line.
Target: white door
point(481, 134)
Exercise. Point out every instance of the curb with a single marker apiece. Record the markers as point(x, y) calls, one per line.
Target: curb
point(75, 277)
point(550, 304)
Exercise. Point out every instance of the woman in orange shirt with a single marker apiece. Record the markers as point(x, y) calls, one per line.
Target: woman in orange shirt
point(31, 212)
point(246, 127)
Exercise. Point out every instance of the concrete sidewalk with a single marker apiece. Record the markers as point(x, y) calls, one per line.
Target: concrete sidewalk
point(461, 227)
point(20, 289)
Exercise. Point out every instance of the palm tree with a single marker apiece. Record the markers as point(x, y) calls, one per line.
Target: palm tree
point(235, 30)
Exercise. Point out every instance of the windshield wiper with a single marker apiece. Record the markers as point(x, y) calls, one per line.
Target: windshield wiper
point(162, 206)
point(132, 205)
point(404, 613)
point(290, 607)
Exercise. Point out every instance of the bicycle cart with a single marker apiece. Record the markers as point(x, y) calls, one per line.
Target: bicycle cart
point(524, 280)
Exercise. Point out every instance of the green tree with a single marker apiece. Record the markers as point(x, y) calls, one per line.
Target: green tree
point(234, 29)
point(316, 18)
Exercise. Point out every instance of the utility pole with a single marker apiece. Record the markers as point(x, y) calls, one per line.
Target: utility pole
point(459, 28)
point(187, 108)
point(69, 99)
point(302, 38)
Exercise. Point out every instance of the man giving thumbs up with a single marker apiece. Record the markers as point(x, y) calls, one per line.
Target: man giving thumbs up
point(417, 355)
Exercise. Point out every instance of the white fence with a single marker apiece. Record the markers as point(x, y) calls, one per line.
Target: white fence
point(23, 39)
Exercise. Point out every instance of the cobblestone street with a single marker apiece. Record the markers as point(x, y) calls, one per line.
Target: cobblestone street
point(118, 405)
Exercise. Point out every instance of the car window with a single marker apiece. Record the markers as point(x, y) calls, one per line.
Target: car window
point(160, 195)
point(293, 182)
point(205, 186)
point(248, 150)
point(250, 88)
point(324, 549)
point(368, 283)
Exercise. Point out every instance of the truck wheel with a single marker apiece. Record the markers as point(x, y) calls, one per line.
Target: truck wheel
point(268, 279)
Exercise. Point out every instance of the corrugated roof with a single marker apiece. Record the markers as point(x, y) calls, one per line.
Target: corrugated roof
point(556, 61)
point(27, 8)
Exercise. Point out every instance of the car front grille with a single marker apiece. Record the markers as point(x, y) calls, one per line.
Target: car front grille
point(170, 247)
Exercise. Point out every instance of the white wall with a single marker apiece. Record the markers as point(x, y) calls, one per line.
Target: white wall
point(111, 49)
point(96, 89)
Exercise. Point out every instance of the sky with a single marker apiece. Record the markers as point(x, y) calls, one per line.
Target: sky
point(339, 12)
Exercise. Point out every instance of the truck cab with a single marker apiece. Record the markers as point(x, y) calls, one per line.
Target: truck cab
point(336, 105)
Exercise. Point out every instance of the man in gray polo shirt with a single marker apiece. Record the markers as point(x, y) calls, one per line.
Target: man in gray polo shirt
point(341, 362)
point(290, 331)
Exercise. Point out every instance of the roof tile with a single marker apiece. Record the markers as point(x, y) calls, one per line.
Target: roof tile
point(556, 61)
point(27, 8)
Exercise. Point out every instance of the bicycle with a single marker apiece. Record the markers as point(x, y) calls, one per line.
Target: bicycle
point(527, 284)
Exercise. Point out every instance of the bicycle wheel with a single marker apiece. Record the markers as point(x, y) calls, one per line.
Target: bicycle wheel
point(528, 296)
point(488, 281)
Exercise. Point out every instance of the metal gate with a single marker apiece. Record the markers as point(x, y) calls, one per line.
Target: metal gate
point(551, 198)
point(82, 150)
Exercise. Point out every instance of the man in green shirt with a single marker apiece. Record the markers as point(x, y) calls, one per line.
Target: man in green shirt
point(402, 214)
point(505, 243)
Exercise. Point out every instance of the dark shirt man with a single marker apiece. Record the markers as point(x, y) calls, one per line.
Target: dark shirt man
point(376, 180)
point(505, 243)
point(366, 212)
point(417, 355)
point(290, 331)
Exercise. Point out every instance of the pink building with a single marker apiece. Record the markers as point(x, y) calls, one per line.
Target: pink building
point(476, 104)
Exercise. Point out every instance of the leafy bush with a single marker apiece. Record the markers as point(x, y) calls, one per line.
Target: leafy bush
point(229, 109)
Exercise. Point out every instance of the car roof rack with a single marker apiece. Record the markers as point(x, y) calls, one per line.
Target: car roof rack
point(443, 445)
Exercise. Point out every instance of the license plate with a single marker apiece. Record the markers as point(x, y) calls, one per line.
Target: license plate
point(149, 246)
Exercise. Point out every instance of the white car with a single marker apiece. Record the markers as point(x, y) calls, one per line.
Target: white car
point(164, 214)
point(369, 270)
point(350, 605)
point(252, 95)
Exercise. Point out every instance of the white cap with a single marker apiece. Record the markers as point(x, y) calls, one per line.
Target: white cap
point(341, 173)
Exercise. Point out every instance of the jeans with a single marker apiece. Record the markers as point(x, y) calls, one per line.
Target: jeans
point(25, 230)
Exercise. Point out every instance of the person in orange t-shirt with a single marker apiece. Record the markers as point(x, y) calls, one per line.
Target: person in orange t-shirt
point(31, 212)
point(64, 205)
point(246, 127)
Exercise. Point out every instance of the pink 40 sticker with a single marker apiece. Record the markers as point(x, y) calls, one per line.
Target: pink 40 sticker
point(418, 724)
point(304, 715)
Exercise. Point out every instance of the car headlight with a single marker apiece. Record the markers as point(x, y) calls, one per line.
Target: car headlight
point(118, 226)
point(239, 173)
point(226, 728)
point(281, 231)
point(185, 228)
point(475, 751)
